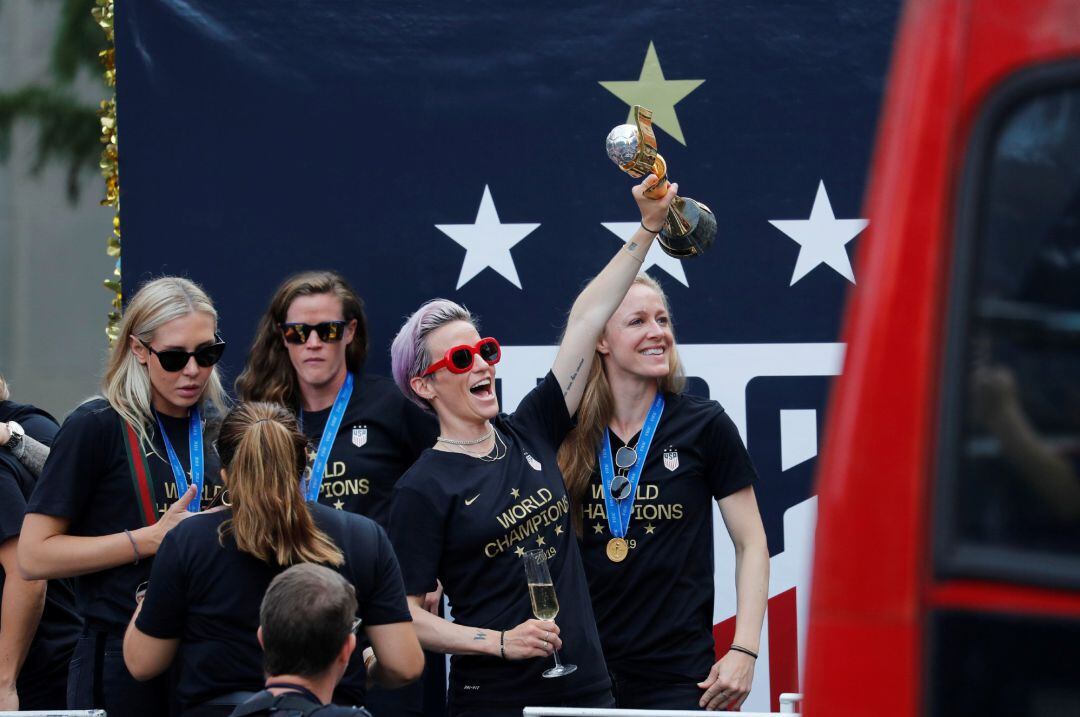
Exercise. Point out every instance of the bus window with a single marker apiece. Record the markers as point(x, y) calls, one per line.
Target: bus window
point(1008, 504)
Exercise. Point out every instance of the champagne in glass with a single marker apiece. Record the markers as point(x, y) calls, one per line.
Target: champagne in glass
point(545, 603)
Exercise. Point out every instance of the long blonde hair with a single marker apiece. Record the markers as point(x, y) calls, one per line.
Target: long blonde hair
point(577, 455)
point(263, 453)
point(126, 385)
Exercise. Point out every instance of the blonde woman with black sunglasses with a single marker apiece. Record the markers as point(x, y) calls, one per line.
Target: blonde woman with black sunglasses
point(125, 469)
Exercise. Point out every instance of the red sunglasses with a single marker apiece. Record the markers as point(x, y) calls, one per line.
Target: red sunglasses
point(459, 359)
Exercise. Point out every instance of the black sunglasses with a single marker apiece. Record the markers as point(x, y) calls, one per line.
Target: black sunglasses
point(625, 458)
point(173, 360)
point(329, 331)
point(620, 488)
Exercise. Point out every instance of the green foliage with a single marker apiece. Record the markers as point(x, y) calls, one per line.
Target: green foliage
point(68, 130)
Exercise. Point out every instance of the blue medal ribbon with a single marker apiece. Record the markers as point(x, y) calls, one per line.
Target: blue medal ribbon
point(195, 455)
point(618, 512)
point(333, 423)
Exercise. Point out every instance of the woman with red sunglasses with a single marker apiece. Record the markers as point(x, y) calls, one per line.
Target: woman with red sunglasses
point(124, 470)
point(490, 490)
point(308, 355)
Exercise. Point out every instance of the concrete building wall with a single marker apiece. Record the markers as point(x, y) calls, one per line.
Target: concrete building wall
point(52, 252)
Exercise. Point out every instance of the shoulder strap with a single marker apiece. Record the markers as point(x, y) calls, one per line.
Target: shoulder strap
point(292, 703)
point(140, 474)
point(289, 704)
point(259, 704)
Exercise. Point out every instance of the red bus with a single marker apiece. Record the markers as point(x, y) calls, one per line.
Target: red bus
point(947, 564)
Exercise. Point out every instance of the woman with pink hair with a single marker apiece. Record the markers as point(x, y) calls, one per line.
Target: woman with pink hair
point(469, 508)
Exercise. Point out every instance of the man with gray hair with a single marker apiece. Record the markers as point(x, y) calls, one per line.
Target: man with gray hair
point(307, 629)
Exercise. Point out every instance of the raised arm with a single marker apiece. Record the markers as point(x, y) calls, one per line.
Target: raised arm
point(595, 305)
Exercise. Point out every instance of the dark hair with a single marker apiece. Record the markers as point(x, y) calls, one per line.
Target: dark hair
point(306, 616)
point(269, 375)
point(263, 453)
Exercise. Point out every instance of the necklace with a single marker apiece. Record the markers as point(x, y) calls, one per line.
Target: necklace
point(498, 452)
point(470, 442)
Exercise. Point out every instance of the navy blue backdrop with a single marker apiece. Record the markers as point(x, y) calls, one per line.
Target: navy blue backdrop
point(258, 139)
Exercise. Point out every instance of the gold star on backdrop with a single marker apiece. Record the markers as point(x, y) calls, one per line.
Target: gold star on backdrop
point(520, 551)
point(650, 529)
point(514, 492)
point(653, 91)
point(539, 540)
point(558, 530)
point(598, 528)
point(340, 505)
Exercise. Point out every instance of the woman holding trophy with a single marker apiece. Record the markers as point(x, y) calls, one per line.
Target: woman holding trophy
point(642, 467)
point(490, 490)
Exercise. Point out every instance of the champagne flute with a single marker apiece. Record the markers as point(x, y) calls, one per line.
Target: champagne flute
point(545, 603)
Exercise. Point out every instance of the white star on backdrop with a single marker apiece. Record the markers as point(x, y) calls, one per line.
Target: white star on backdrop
point(822, 238)
point(656, 256)
point(487, 242)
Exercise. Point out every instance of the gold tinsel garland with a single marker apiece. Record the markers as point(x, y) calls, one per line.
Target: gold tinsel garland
point(110, 170)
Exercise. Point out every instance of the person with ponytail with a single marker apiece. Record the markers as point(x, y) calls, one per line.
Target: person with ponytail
point(202, 600)
point(490, 490)
point(642, 468)
point(308, 355)
point(124, 469)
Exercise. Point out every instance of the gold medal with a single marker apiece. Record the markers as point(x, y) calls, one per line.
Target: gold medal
point(617, 550)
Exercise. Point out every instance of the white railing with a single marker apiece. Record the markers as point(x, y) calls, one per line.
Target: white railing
point(787, 702)
point(786, 708)
point(55, 713)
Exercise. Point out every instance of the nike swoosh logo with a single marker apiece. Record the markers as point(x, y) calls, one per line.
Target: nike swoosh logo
point(469, 501)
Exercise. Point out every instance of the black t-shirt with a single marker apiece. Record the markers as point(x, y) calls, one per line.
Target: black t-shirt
point(87, 479)
point(696, 456)
point(60, 625)
point(208, 596)
point(468, 522)
point(381, 435)
point(38, 424)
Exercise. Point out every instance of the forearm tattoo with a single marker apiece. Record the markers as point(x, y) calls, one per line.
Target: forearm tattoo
point(32, 455)
point(573, 377)
point(479, 636)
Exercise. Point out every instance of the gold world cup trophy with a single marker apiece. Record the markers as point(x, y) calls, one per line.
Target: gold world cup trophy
point(690, 227)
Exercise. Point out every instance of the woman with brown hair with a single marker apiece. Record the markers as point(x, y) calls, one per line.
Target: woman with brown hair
point(642, 468)
point(308, 355)
point(211, 572)
point(123, 471)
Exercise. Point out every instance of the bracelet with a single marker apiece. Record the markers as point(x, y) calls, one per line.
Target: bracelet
point(502, 644)
point(651, 231)
point(745, 651)
point(134, 547)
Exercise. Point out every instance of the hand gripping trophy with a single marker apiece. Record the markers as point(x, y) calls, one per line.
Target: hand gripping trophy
point(690, 227)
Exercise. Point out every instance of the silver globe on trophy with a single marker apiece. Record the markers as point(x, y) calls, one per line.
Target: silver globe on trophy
point(690, 227)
